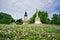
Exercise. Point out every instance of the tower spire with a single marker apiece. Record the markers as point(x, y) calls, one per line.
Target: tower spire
point(36, 12)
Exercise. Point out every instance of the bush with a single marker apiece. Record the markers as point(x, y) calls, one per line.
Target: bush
point(19, 21)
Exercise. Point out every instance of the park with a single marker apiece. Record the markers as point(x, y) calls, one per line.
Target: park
point(29, 19)
point(35, 28)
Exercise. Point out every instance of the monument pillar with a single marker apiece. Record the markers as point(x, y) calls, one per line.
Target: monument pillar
point(25, 18)
point(37, 19)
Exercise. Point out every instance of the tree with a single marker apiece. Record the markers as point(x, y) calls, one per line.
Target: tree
point(19, 21)
point(32, 19)
point(5, 18)
point(59, 18)
point(13, 20)
point(55, 19)
point(59, 15)
point(42, 15)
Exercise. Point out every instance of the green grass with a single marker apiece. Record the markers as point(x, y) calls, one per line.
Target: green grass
point(29, 32)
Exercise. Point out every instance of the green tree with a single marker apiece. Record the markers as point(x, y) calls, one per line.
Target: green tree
point(55, 19)
point(42, 15)
point(5, 18)
point(59, 19)
point(13, 20)
point(19, 21)
point(32, 19)
point(59, 15)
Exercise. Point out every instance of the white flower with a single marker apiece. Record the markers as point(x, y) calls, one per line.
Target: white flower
point(48, 36)
point(0, 31)
point(6, 33)
point(40, 36)
point(7, 39)
point(9, 31)
point(15, 38)
point(44, 39)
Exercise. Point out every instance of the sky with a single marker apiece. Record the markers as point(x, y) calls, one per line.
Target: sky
point(17, 8)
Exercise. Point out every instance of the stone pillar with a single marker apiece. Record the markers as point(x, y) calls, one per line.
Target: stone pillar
point(37, 19)
point(37, 13)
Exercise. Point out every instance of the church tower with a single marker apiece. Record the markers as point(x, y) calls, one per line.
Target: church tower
point(25, 18)
point(37, 19)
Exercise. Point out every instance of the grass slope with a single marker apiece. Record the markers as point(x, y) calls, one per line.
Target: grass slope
point(29, 32)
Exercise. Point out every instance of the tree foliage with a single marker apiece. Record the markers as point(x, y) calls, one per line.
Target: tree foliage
point(55, 19)
point(32, 19)
point(19, 21)
point(5, 18)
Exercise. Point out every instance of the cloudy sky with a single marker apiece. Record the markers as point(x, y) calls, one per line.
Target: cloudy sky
point(17, 8)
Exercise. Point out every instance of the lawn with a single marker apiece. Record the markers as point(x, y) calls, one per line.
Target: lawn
point(29, 32)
